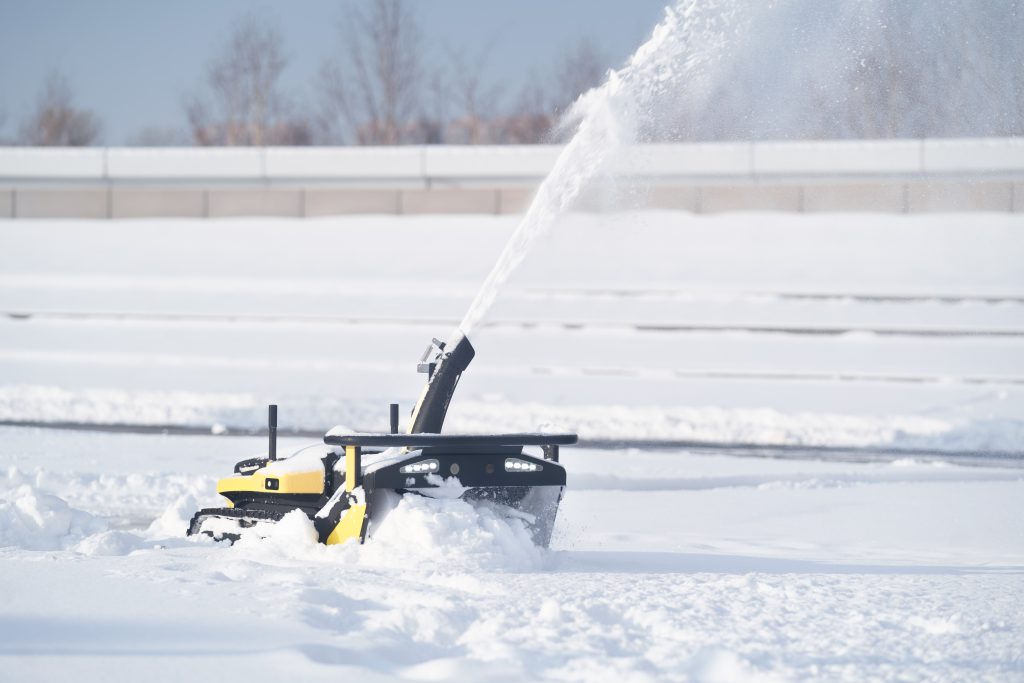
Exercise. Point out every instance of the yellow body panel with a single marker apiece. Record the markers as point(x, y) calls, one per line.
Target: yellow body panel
point(288, 482)
point(350, 467)
point(350, 526)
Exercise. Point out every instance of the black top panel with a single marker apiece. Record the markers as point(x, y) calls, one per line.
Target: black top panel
point(448, 440)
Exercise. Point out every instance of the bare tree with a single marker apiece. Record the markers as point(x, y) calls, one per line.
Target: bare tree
point(582, 68)
point(56, 121)
point(1015, 58)
point(475, 99)
point(244, 104)
point(373, 94)
point(530, 121)
point(437, 110)
point(159, 136)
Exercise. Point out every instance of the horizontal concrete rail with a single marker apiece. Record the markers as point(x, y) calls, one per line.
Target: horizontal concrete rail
point(892, 175)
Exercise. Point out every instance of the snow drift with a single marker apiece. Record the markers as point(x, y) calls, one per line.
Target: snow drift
point(33, 520)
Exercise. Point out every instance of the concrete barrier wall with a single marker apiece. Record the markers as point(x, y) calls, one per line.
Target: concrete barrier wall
point(890, 176)
point(6, 204)
point(136, 202)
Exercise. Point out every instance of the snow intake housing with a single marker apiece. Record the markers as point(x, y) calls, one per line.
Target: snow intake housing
point(489, 469)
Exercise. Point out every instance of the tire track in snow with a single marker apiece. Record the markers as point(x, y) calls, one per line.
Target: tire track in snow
point(227, 285)
point(570, 325)
point(762, 450)
point(323, 364)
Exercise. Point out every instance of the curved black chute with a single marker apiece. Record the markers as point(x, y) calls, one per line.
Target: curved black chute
point(443, 375)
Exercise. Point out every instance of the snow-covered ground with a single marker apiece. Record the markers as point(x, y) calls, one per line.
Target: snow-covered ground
point(665, 566)
point(893, 332)
point(866, 330)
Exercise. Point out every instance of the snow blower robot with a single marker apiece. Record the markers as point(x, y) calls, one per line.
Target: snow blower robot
point(347, 485)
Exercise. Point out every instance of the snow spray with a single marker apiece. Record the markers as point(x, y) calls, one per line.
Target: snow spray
point(681, 48)
point(778, 69)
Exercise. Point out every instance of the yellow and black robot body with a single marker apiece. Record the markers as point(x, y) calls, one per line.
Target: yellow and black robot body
point(349, 483)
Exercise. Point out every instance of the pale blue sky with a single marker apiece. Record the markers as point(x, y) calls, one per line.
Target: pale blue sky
point(134, 61)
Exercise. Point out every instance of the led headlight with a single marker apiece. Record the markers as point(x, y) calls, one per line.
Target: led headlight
point(421, 467)
point(517, 465)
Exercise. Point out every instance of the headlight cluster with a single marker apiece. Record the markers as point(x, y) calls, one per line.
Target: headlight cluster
point(421, 467)
point(517, 465)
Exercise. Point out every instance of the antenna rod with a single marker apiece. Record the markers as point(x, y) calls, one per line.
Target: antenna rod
point(394, 418)
point(272, 425)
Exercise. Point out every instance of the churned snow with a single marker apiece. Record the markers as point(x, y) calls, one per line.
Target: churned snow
point(34, 520)
point(664, 566)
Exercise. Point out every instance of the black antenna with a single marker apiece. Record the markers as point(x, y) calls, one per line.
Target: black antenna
point(394, 418)
point(272, 425)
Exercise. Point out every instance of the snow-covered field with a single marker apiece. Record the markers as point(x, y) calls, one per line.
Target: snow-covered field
point(862, 330)
point(890, 332)
point(665, 566)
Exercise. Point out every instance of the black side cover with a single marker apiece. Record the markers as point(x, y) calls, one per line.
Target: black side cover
point(325, 521)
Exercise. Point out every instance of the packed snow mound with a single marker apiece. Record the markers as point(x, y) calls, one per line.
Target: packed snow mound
point(295, 530)
point(108, 406)
point(175, 519)
point(109, 543)
point(33, 520)
point(718, 665)
point(294, 537)
point(449, 533)
point(660, 421)
point(736, 425)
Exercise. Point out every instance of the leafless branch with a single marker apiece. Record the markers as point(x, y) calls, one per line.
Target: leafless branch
point(372, 95)
point(244, 104)
point(475, 99)
point(580, 69)
point(56, 121)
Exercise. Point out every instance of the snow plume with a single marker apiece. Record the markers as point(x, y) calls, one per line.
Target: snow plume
point(784, 69)
point(799, 69)
point(683, 46)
